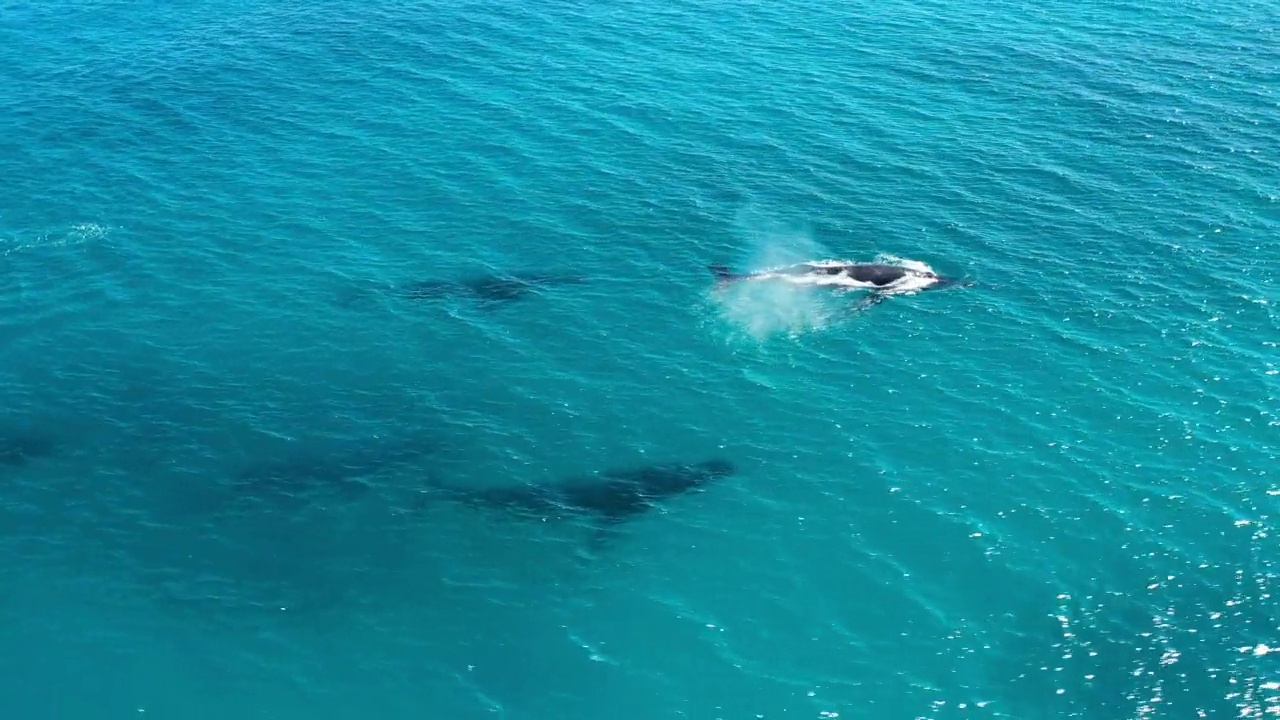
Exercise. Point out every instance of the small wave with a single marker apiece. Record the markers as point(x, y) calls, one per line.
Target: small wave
point(86, 231)
point(73, 235)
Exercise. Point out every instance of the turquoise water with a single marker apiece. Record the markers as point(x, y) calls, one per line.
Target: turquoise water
point(1052, 494)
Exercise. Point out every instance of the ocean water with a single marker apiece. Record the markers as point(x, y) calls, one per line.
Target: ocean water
point(1051, 494)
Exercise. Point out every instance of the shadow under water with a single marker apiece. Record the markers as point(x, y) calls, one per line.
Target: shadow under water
point(19, 446)
point(497, 288)
point(604, 500)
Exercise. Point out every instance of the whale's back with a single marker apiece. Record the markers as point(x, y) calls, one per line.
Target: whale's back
point(876, 274)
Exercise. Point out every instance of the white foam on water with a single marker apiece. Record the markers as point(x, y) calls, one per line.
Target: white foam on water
point(72, 235)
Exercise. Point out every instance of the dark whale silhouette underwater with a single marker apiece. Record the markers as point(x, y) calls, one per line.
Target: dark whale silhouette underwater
point(488, 290)
point(494, 288)
point(19, 446)
point(603, 501)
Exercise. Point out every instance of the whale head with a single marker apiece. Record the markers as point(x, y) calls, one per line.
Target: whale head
point(667, 481)
point(717, 468)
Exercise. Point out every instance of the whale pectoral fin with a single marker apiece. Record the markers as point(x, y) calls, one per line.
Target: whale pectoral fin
point(601, 536)
point(872, 298)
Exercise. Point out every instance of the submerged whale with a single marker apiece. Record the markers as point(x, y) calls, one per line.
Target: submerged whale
point(604, 500)
point(19, 446)
point(879, 278)
point(489, 288)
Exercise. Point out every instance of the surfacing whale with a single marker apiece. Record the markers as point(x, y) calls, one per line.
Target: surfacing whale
point(879, 278)
point(604, 500)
